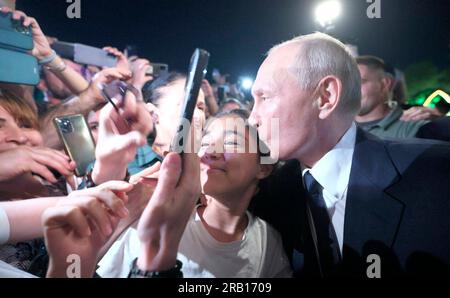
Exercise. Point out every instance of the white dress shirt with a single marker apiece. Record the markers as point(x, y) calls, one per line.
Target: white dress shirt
point(332, 172)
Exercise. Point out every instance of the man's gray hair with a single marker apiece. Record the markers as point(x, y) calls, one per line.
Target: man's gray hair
point(320, 55)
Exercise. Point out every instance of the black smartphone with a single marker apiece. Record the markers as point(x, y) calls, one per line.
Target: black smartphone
point(157, 69)
point(221, 94)
point(77, 139)
point(196, 74)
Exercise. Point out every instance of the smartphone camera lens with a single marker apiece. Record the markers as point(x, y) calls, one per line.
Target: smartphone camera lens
point(66, 126)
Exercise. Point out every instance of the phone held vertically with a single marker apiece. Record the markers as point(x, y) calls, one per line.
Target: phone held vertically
point(197, 71)
point(77, 139)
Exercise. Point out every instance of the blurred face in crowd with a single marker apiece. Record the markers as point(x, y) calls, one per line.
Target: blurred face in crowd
point(168, 112)
point(374, 89)
point(93, 123)
point(228, 168)
point(15, 133)
point(278, 97)
point(229, 106)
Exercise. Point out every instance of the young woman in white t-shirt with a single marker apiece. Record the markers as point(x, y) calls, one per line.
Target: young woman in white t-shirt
point(222, 239)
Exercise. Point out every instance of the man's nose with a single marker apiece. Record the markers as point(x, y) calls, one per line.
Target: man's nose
point(253, 119)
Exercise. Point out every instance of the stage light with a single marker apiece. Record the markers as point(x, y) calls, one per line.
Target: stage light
point(327, 12)
point(247, 83)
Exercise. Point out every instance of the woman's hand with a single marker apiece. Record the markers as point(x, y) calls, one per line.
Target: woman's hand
point(77, 227)
point(41, 47)
point(37, 160)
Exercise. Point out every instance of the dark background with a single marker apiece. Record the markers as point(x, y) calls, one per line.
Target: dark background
point(237, 33)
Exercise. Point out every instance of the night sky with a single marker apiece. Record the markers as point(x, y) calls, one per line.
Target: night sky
point(237, 33)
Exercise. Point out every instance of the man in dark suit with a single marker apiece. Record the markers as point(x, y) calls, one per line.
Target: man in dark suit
point(345, 202)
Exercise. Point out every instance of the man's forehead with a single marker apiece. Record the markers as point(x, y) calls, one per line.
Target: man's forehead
point(366, 71)
point(271, 75)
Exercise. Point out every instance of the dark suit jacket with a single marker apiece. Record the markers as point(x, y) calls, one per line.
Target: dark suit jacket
point(398, 207)
point(436, 130)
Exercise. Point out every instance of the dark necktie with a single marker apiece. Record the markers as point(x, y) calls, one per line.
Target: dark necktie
point(322, 230)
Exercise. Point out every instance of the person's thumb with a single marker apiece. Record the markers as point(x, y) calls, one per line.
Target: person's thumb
point(169, 176)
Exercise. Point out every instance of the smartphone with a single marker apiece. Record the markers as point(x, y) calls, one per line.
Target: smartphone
point(221, 94)
point(84, 54)
point(13, 34)
point(76, 136)
point(196, 74)
point(157, 69)
point(18, 68)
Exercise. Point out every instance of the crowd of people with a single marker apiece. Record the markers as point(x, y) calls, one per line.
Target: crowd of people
point(351, 174)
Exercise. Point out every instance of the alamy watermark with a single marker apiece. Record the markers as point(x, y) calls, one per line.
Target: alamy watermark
point(374, 268)
point(74, 268)
point(74, 9)
point(374, 9)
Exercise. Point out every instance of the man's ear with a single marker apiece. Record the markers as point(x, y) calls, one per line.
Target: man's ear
point(328, 96)
point(264, 171)
point(388, 83)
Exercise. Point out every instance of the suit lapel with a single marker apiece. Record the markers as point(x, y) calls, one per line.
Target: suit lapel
point(372, 214)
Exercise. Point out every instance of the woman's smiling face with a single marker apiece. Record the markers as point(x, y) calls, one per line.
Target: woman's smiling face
point(13, 134)
point(227, 163)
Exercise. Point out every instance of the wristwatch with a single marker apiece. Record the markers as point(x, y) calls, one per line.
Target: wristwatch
point(174, 272)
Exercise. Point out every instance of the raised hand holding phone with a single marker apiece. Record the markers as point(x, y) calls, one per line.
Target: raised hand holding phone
point(123, 127)
point(178, 188)
point(197, 71)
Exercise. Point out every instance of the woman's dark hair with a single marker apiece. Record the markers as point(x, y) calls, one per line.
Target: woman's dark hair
point(151, 93)
point(229, 100)
point(151, 90)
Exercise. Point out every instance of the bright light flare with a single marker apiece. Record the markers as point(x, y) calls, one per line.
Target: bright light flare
point(247, 83)
point(328, 11)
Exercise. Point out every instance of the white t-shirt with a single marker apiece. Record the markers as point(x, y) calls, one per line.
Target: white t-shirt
point(259, 254)
point(8, 271)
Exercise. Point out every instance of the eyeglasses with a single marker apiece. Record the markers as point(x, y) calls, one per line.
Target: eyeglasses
point(117, 90)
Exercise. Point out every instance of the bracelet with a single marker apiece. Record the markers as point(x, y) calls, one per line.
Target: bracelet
point(89, 182)
point(174, 272)
point(48, 59)
point(60, 68)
